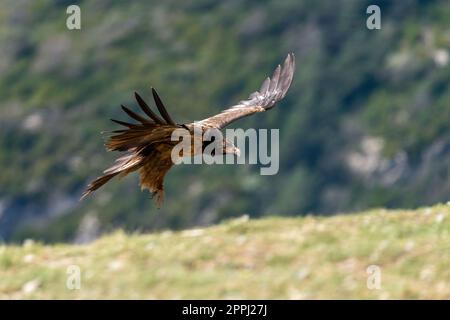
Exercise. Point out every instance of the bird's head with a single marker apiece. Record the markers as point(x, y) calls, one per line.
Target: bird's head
point(230, 148)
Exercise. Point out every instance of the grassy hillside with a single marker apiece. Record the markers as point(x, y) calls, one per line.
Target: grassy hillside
point(310, 257)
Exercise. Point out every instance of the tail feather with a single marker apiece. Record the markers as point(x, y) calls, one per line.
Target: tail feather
point(123, 166)
point(97, 183)
point(124, 163)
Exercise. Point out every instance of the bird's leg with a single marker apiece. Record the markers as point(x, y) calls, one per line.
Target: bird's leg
point(159, 194)
point(159, 197)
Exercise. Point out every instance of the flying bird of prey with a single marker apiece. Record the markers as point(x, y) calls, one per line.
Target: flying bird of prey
point(148, 144)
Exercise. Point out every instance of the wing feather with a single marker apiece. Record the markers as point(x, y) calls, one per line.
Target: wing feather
point(275, 78)
point(149, 131)
point(144, 106)
point(265, 86)
point(135, 115)
point(125, 124)
point(272, 90)
point(162, 108)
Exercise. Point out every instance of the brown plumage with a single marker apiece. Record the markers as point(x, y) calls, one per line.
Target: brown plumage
point(148, 143)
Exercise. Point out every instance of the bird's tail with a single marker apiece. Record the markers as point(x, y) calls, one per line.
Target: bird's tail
point(97, 183)
point(123, 166)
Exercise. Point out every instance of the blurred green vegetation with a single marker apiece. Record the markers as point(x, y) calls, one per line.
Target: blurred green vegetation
point(365, 122)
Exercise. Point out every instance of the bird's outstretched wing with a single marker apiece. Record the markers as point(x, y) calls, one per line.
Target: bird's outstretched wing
point(151, 129)
point(144, 143)
point(272, 90)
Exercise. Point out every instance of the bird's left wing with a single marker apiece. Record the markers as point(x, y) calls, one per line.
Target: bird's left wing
point(272, 90)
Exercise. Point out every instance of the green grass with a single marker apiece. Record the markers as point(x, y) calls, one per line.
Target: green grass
point(273, 258)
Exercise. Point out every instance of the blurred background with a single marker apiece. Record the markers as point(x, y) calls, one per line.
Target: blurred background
point(365, 123)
